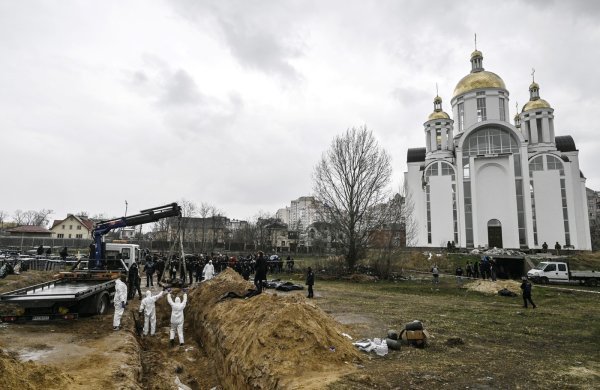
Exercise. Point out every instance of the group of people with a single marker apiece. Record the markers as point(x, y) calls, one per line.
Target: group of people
point(486, 268)
point(148, 309)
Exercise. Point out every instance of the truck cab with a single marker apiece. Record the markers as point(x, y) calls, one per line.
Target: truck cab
point(129, 252)
point(549, 271)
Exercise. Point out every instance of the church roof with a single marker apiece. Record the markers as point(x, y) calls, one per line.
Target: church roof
point(478, 80)
point(565, 143)
point(536, 104)
point(415, 155)
point(438, 115)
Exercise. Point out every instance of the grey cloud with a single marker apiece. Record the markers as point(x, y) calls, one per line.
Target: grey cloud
point(180, 89)
point(258, 34)
point(186, 110)
point(408, 96)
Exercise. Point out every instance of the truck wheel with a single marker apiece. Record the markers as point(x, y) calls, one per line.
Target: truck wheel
point(102, 303)
point(544, 280)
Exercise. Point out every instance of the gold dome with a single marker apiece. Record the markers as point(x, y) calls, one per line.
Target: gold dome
point(478, 80)
point(438, 115)
point(534, 85)
point(476, 53)
point(536, 104)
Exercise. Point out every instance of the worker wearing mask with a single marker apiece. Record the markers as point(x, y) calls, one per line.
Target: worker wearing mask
point(120, 301)
point(148, 307)
point(177, 317)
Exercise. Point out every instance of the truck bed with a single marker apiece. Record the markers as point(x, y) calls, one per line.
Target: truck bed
point(55, 291)
point(585, 274)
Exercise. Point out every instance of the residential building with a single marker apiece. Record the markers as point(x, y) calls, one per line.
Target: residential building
point(30, 231)
point(73, 226)
point(301, 213)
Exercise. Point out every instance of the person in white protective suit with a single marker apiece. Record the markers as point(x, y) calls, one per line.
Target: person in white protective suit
point(209, 270)
point(148, 307)
point(120, 300)
point(177, 317)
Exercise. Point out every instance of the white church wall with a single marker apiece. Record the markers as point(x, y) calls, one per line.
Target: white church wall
point(442, 229)
point(417, 197)
point(548, 207)
point(493, 189)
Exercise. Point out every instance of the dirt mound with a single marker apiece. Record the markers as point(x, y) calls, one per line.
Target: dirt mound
point(492, 288)
point(29, 375)
point(267, 341)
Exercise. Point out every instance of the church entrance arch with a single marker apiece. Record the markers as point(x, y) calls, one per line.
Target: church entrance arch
point(494, 233)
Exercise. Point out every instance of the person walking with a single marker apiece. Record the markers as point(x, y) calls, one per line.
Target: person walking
point(120, 300)
point(148, 308)
point(436, 274)
point(209, 270)
point(261, 271)
point(459, 273)
point(310, 281)
point(177, 317)
point(526, 287)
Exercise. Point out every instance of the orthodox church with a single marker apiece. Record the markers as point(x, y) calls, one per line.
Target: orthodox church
point(481, 181)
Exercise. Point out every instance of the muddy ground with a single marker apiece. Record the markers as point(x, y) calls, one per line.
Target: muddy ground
point(478, 340)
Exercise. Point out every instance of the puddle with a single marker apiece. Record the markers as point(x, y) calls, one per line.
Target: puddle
point(33, 354)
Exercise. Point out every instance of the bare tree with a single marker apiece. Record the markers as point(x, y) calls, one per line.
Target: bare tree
point(42, 217)
point(32, 217)
point(19, 217)
point(351, 179)
point(3, 216)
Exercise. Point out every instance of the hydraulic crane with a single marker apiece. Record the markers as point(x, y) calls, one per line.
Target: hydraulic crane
point(145, 216)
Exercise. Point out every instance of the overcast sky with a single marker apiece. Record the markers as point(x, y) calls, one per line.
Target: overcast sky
point(232, 103)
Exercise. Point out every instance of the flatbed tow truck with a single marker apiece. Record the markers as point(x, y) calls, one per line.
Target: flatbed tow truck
point(80, 291)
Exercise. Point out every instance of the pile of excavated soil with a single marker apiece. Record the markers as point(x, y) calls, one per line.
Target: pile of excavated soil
point(267, 341)
point(492, 288)
point(15, 374)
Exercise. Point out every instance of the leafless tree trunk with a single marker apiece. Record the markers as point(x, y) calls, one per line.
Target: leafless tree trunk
point(351, 179)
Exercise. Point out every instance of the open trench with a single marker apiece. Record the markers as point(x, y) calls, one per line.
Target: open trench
point(268, 341)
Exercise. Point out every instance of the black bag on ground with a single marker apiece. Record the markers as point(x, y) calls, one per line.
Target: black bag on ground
point(414, 325)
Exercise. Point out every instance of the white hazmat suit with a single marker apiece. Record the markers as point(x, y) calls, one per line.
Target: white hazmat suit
point(148, 307)
point(120, 300)
point(209, 270)
point(177, 317)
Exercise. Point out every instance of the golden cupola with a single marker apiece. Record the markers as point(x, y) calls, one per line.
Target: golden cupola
point(479, 78)
point(535, 102)
point(438, 113)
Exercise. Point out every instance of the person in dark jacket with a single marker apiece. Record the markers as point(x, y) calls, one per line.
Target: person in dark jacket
point(40, 250)
point(64, 253)
point(526, 287)
point(149, 270)
point(133, 281)
point(310, 281)
point(261, 271)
